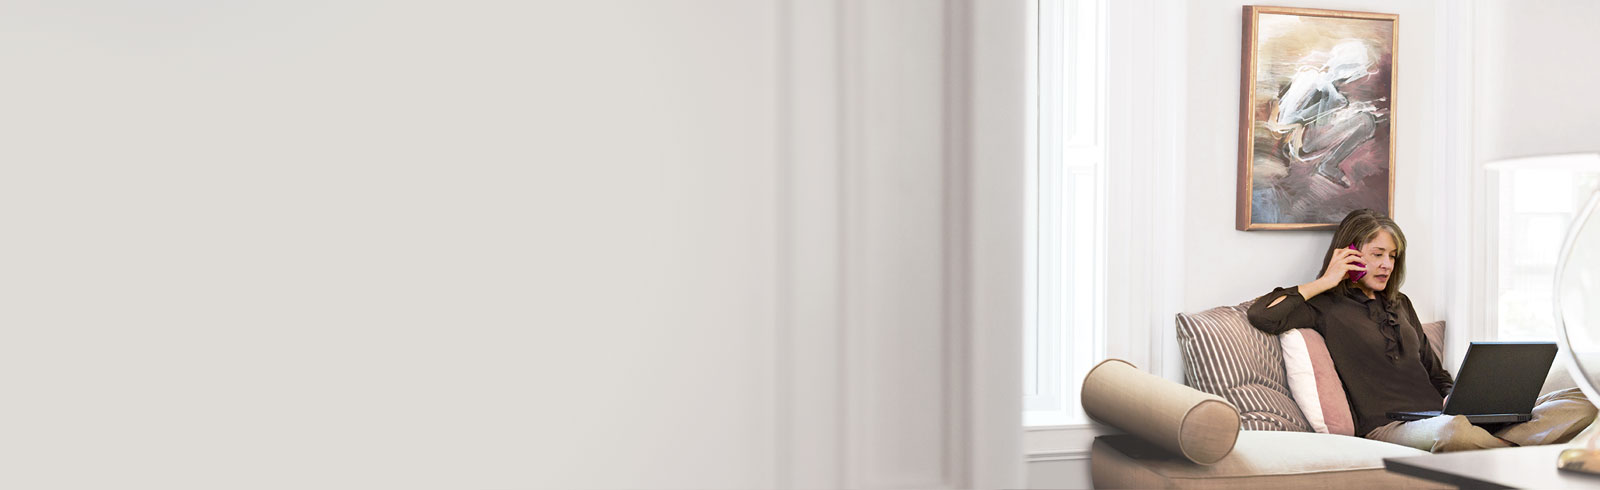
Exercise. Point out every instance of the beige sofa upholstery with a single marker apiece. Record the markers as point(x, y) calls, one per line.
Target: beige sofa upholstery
point(1263, 459)
point(1176, 441)
point(1257, 459)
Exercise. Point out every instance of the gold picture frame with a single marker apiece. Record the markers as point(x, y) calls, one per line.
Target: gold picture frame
point(1316, 118)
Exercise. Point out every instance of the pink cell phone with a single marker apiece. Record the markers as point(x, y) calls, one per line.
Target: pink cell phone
point(1356, 275)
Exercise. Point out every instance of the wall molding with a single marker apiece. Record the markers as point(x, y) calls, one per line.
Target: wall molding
point(1467, 270)
point(958, 326)
point(897, 247)
point(997, 162)
point(809, 400)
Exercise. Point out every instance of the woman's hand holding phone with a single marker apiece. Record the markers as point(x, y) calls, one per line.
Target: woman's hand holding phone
point(1343, 266)
point(1357, 275)
point(1346, 264)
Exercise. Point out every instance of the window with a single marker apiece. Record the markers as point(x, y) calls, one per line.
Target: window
point(1068, 209)
point(1538, 199)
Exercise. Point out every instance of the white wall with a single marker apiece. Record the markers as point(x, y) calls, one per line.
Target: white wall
point(1224, 266)
point(641, 244)
point(1536, 88)
point(388, 244)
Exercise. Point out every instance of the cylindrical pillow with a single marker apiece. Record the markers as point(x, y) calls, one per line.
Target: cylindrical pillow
point(1189, 422)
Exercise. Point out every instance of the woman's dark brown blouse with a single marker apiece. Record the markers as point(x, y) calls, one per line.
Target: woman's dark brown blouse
point(1379, 349)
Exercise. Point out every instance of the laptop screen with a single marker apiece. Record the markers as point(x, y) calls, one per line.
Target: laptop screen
point(1501, 378)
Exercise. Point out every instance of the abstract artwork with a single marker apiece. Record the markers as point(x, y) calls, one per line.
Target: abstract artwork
point(1316, 123)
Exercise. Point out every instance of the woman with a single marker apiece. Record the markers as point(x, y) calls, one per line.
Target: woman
point(1381, 353)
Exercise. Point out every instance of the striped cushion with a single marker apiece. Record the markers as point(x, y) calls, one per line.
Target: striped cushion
point(1225, 356)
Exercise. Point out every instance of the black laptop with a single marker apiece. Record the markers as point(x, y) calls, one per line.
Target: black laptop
point(1498, 383)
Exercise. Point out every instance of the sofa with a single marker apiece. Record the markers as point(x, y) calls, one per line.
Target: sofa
point(1234, 422)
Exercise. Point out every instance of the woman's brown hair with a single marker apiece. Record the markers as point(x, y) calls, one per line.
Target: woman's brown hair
point(1358, 228)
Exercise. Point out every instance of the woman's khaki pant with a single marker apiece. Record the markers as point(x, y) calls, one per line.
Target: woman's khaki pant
point(1557, 417)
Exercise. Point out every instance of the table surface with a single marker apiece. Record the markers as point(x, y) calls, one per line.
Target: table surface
point(1515, 467)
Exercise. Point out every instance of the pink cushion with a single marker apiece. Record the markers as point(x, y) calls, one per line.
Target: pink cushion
point(1314, 383)
point(1435, 333)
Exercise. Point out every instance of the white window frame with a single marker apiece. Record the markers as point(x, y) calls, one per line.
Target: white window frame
point(1067, 246)
point(1143, 99)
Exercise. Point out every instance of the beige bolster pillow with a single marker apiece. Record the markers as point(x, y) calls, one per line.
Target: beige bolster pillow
point(1198, 425)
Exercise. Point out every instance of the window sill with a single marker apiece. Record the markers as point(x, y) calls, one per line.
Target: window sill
point(1061, 442)
point(1054, 418)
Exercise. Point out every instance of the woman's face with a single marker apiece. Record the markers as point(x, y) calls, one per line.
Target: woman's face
point(1379, 256)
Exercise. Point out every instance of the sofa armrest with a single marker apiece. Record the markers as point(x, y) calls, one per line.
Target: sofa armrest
point(1197, 425)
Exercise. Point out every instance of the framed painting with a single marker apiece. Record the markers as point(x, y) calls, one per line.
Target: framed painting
point(1316, 122)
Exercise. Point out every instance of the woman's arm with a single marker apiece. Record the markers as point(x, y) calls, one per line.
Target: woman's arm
point(1282, 310)
point(1285, 308)
point(1441, 379)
